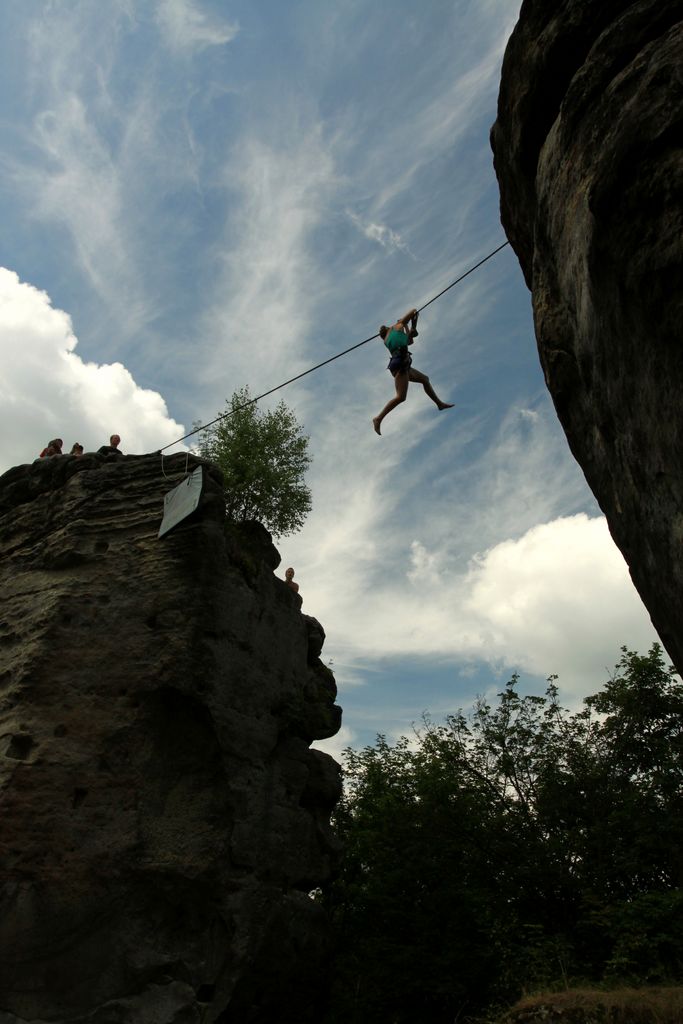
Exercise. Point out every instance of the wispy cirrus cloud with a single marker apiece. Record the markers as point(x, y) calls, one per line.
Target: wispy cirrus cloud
point(80, 186)
point(111, 160)
point(380, 233)
point(270, 280)
point(186, 27)
point(71, 171)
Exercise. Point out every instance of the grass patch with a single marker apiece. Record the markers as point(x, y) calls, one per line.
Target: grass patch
point(593, 1006)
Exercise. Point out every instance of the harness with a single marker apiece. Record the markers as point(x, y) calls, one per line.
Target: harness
point(400, 356)
point(401, 360)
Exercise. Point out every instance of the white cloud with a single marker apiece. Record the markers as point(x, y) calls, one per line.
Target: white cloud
point(529, 414)
point(424, 565)
point(47, 390)
point(185, 26)
point(559, 599)
point(335, 745)
point(388, 239)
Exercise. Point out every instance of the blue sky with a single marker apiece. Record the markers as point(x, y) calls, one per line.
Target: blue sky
point(198, 195)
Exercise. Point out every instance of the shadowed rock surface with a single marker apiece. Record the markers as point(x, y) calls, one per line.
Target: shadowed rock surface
point(587, 149)
point(163, 817)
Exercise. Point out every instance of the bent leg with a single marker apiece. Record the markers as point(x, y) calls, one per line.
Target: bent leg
point(401, 380)
point(423, 379)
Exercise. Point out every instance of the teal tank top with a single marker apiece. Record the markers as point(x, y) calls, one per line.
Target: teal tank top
point(396, 340)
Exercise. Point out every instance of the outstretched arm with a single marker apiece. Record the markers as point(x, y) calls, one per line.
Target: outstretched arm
point(405, 320)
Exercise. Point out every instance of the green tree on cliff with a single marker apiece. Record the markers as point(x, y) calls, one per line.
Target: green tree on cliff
point(264, 458)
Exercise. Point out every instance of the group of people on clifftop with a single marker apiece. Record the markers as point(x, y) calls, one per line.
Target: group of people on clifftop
point(55, 447)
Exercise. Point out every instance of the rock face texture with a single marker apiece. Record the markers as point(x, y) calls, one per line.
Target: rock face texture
point(588, 153)
point(162, 816)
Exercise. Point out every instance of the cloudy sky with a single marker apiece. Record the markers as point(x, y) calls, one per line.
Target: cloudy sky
point(197, 195)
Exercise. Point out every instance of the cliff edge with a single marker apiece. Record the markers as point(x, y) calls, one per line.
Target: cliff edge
point(163, 815)
point(588, 152)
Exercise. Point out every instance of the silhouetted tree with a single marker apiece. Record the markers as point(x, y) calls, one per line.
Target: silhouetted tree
point(264, 458)
point(517, 847)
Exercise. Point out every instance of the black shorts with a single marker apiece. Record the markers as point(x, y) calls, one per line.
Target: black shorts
point(400, 361)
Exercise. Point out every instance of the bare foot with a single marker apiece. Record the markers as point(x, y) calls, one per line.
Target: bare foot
point(445, 405)
point(375, 423)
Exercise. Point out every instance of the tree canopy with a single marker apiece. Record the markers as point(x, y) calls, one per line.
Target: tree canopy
point(520, 846)
point(264, 457)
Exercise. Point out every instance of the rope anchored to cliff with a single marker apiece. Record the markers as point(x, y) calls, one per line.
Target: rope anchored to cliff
point(346, 351)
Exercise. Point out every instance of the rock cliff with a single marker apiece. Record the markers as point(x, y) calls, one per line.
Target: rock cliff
point(588, 153)
point(163, 816)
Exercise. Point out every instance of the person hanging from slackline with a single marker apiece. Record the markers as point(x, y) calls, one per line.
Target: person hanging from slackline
point(397, 339)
